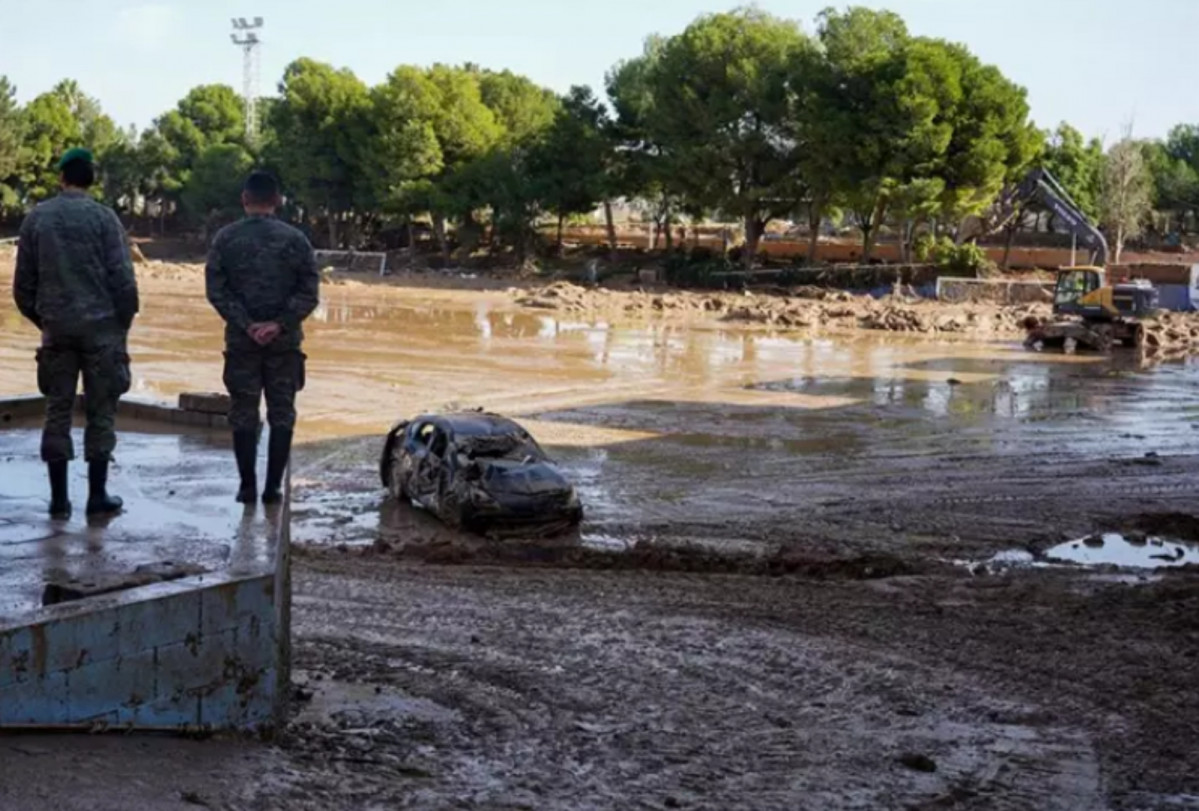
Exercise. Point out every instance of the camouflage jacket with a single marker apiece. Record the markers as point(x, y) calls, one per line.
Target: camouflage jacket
point(73, 267)
point(261, 269)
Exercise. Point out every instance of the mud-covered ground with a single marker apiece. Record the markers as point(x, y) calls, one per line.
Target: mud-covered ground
point(816, 572)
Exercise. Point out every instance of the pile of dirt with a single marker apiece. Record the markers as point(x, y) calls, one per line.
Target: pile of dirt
point(973, 319)
point(571, 298)
point(1170, 334)
point(805, 307)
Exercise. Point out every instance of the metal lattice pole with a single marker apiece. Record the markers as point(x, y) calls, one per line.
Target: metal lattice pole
point(246, 37)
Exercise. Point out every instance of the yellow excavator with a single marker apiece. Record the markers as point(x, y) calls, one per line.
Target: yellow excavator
point(1088, 311)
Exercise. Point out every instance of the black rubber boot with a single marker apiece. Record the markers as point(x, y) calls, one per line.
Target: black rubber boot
point(278, 450)
point(245, 448)
point(98, 500)
point(60, 501)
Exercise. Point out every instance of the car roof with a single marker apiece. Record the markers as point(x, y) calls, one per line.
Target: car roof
point(473, 423)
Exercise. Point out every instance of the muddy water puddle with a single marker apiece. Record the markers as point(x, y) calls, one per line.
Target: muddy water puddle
point(678, 433)
point(1131, 551)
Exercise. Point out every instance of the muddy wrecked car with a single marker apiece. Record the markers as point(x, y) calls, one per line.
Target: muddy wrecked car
point(481, 472)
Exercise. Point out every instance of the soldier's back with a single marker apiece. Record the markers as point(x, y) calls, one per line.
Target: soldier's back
point(262, 259)
point(73, 234)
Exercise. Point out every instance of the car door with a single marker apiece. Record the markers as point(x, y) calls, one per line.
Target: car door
point(429, 442)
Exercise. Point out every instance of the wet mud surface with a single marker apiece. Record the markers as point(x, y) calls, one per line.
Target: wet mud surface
point(782, 594)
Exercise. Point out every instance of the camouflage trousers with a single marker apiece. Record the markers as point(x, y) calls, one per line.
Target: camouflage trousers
point(101, 358)
point(251, 373)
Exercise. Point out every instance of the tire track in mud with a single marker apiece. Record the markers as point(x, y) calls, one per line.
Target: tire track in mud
point(586, 691)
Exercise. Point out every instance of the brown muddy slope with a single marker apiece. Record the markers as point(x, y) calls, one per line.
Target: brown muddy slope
point(433, 687)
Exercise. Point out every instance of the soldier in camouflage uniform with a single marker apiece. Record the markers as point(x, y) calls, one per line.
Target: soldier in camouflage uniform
point(262, 279)
point(75, 282)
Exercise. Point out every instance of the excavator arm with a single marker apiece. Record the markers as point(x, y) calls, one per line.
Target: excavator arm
point(1041, 187)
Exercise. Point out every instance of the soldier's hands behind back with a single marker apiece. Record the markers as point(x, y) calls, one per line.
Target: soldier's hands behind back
point(264, 333)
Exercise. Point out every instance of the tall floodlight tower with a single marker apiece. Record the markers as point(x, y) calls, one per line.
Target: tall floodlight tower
point(245, 36)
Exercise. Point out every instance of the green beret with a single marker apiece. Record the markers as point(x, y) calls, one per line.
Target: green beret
point(76, 154)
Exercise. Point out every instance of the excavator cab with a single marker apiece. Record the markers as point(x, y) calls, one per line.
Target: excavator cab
point(1083, 291)
point(1073, 285)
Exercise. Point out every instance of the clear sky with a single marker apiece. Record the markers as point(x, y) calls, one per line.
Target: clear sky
point(1095, 63)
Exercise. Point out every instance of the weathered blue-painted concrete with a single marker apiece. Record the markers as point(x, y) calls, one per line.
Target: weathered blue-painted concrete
point(208, 651)
point(197, 652)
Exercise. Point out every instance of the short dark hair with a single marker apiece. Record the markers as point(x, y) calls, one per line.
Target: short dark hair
point(79, 173)
point(262, 188)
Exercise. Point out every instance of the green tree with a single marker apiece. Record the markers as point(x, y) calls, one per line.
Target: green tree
point(819, 126)
point(50, 129)
point(468, 132)
point(993, 142)
point(122, 173)
point(570, 164)
point(1078, 166)
point(404, 153)
point(208, 115)
point(889, 101)
point(12, 154)
point(1174, 166)
point(213, 193)
point(320, 124)
point(1175, 185)
point(503, 182)
point(639, 167)
point(521, 107)
point(719, 107)
point(97, 131)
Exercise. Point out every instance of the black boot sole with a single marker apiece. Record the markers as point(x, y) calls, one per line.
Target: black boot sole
point(60, 512)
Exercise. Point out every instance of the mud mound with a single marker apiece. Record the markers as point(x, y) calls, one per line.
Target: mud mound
point(931, 317)
point(800, 308)
point(1170, 335)
point(571, 298)
point(1174, 525)
point(643, 557)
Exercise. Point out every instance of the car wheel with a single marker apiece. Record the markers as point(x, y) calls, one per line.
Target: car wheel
point(387, 458)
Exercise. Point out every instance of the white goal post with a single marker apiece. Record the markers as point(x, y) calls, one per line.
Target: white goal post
point(353, 260)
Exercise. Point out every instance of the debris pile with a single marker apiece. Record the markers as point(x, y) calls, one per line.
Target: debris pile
point(1170, 334)
point(800, 308)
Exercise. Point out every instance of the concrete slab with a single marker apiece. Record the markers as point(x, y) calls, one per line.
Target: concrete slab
point(179, 511)
point(174, 614)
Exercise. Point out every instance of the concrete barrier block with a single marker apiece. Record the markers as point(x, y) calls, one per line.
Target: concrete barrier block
point(195, 666)
point(205, 402)
point(67, 645)
point(256, 642)
point(176, 711)
point(160, 622)
point(41, 700)
point(233, 605)
point(16, 656)
point(248, 700)
point(98, 692)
